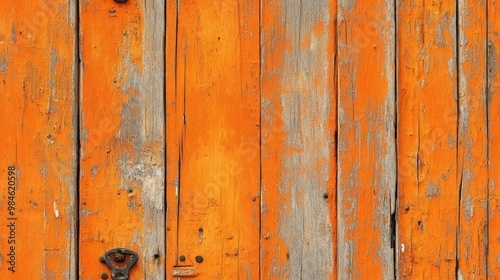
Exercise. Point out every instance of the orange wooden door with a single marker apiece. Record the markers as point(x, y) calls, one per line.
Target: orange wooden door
point(249, 139)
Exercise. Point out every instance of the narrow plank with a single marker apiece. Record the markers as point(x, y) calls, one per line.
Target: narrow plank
point(298, 139)
point(38, 83)
point(174, 106)
point(213, 102)
point(493, 106)
point(473, 141)
point(366, 146)
point(122, 135)
point(428, 182)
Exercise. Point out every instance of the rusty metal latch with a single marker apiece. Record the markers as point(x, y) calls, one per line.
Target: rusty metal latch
point(120, 261)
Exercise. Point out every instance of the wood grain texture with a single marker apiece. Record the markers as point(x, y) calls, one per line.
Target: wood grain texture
point(428, 181)
point(122, 134)
point(493, 106)
point(366, 146)
point(38, 83)
point(213, 103)
point(473, 141)
point(298, 139)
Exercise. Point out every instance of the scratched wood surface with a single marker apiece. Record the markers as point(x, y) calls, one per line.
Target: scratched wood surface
point(366, 175)
point(38, 138)
point(213, 138)
point(122, 132)
point(276, 139)
point(298, 139)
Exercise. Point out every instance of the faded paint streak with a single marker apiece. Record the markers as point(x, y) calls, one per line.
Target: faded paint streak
point(298, 159)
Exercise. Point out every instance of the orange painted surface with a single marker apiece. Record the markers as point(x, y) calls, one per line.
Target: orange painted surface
point(473, 141)
point(493, 140)
point(366, 139)
point(122, 155)
point(38, 140)
point(428, 186)
point(276, 139)
point(213, 128)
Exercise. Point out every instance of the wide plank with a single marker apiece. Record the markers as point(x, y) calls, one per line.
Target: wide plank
point(428, 179)
point(38, 158)
point(122, 129)
point(213, 111)
point(473, 140)
point(298, 44)
point(366, 180)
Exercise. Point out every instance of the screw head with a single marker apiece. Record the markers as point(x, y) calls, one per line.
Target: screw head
point(182, 258)
point(102, 260)
point(407, 208)
point(104, 275)
point(199, 259)
point(120, 1)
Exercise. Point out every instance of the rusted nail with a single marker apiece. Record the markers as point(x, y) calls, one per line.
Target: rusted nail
point(104, 275)
point(120, 1)
point(407, 208)
point(182, 258)
point(102, 260)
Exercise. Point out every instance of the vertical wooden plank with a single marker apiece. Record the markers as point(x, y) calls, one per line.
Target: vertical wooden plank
point(428, 182)
point(38, 166)
point(213, 137)
point(473, 141)
point(298, 139)
point(366, 148)
point(493, 100)
point(174, 111)
point(122, 134)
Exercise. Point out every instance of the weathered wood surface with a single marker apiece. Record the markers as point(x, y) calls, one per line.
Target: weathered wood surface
point(213, 137)
point(472, 140)
point(122, 165)
point(277, 139)
point(366, 176)
point(493, 110)
point(298, 139)
point(428, 181)
point(38, 138)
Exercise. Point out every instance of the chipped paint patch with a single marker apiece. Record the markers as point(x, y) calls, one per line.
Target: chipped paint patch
point(4, 64)
point(56, 210)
